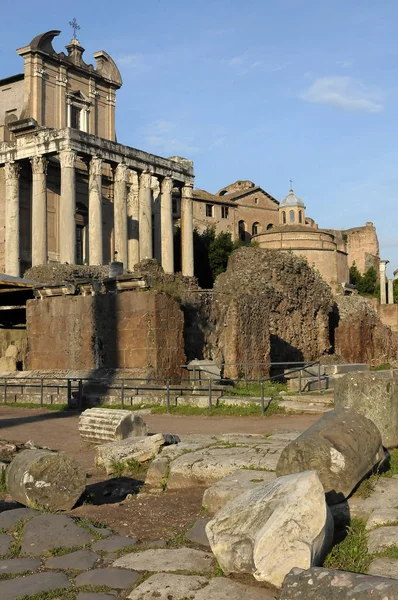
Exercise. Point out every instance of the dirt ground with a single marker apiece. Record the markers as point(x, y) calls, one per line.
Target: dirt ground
point(146, 516)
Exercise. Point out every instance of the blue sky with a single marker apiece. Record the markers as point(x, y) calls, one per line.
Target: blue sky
point(267, 90)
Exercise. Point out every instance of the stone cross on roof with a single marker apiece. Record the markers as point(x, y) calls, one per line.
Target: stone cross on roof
point(74, 26)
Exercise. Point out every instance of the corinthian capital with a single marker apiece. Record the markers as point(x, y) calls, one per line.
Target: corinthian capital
point(121, 173)
point(12, 170)
point(167, 185)
point(39, 165)
point(96, 166)
point(145, 179)
point(67, 159)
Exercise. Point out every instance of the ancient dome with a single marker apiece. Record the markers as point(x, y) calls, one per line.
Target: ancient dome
point(291, 200)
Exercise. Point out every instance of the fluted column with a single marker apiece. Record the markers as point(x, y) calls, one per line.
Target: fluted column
point(12, 219)
point(95, 211)
point(166, 225)
point(120, 213)
point(67, 225)
point(132, 220)
point(390, 295)
point(39, 210)
point(187, 230)
point(145, 216)
point(382, 271)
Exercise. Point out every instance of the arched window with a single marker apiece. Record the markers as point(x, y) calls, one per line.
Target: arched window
point(242, 230)
point(300, 216)
point(255, 228)
point(291, 216)
point(283, 217)
point(270, 226)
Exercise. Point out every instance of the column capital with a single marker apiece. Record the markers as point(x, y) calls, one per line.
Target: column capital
point(39, 165)
point(121, 172)
point(95, 165)
point(146, 179)
point(12, 170)
point(132, 177)
point(167, 185)
point(67, 159)
point(186, 190)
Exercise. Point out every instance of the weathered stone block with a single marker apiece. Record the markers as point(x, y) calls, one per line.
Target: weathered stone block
point(101, 425)
point(342, 447)
point(271, 529)
point(374, 395)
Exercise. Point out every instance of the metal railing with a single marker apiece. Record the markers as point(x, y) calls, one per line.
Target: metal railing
point(76, 389)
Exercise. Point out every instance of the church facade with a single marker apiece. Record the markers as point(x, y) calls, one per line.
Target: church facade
point(69, 192)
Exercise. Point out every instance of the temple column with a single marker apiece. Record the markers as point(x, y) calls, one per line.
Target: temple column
point(12, 219)
point(187, 230)
point(120, 213)
point(39, 210)
point(382, 271)
point(145, 216)
point(67, 222)
point(166, 225)
point(390, 295)
point(95, 211)
point(132, 220)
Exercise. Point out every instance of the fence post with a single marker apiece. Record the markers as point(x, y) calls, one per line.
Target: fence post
point(319, 377)
point(300, 381)
point(41, 391)
point(122, 393)
point(69, 391)
point(262, 397)
point(5, 390)
point(80, 393)
point(210, 398)
point(168, 395)
point(246, 382)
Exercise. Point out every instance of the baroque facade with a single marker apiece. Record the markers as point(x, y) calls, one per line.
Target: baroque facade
point(69, 192)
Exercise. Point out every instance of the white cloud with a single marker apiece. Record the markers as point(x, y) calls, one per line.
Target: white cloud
point(133, 61)
point(344, 92)
point(237, 60)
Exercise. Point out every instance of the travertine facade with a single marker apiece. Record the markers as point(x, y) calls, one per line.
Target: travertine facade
point(69, 192)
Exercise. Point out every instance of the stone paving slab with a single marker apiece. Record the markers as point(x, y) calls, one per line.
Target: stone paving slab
point(384, 495)
point(164, 586)
point(114, 543)
point(19, 565)
point(180, 559)
point(102, 531)
point(5, 543)
point(80, 560)
point(33, 584)
point(10, 518)
point(382, 517)
point(382, 538)
point(52, 531)
point(221, 588)
point(197, 533)
point(384, 567)
point(111, 577)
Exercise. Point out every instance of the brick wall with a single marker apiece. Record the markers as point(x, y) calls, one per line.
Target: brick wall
point(126, 330)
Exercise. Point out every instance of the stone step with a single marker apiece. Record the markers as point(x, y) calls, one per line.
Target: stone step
point(305, 407)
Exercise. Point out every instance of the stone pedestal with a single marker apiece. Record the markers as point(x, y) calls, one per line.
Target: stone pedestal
point(166, 225)
point(187, 231)
point(12, 219)
point(120, 213)
point(95, 211)
point(133, 244)
point(39, 210)
point(68, 207)
point(145, 216)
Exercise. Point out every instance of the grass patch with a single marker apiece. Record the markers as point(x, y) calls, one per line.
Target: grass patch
point(393, 470)
point(3, 484)
point(351, 554)
point(384, 367)
point(177, 541)
point(250, 409)
point(88, 525)
point(366, 487)
point(129, 468)
point(17, 533)
point(61, 551)
point(391, 552)
point(254, 389)
point(36, 405)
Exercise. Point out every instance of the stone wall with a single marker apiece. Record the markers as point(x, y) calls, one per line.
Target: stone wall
point(269, 306)
point(130, 329)
point(359, 334)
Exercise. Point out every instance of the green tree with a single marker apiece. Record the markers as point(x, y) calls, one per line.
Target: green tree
point(369, 282)
point(355, 276)
point(220, 248)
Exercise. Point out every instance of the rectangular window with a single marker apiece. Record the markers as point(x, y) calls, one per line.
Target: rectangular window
point(209, 210)
point(224, 212)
